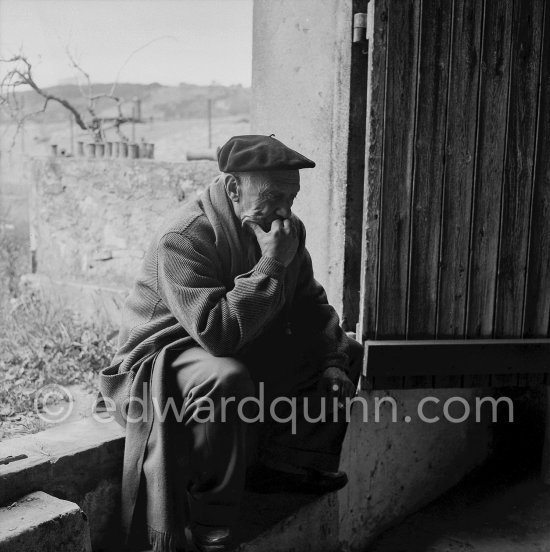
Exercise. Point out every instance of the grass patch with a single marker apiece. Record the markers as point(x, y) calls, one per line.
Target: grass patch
point(41, 343)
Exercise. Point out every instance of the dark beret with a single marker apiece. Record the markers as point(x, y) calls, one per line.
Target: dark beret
point(255, 152)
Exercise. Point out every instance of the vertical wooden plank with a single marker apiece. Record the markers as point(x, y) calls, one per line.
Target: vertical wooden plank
point(373, 174)
point(458, 176)
point(429, 156)
point(403, 36)
point(475, 380)
point(518, 167)
point(459, 167)
point(355, 179)
point(526, 380)
point(537, 300)
point(505, 380)
point(493, 102)
point(374, 147)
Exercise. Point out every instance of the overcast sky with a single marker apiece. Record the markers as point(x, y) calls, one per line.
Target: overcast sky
point(195, 41)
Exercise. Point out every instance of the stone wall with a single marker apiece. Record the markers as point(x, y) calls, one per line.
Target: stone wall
point(14, 197)
point(91, 221)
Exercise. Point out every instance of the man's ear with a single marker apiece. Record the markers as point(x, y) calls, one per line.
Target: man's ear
point(232, 187)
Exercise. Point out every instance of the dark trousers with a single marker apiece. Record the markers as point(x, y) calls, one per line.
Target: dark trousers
point(220, 438)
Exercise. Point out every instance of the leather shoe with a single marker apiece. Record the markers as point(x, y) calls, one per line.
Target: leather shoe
point(262, 479)
point(211, 538)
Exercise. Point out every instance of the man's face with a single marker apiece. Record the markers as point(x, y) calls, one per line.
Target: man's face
point(268, 196)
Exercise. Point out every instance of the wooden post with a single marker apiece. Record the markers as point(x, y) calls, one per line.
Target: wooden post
point(22, 131)
point(71, 133)
point(209, 123)
point(355, 172)
point(196, 155)
point(134, 119)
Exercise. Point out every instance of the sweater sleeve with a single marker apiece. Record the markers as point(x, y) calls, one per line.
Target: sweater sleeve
point(314, 313)
point(220, 321)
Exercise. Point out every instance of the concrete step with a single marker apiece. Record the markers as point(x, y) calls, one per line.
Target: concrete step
point(499, 513)
point(80, 461)
point(288, 522)
point(43, 523)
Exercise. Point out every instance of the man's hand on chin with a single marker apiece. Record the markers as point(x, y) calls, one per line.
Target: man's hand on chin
point(334, 383)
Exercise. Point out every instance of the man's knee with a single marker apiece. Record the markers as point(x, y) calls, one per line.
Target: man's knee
point(232, 378)
point(199, 373)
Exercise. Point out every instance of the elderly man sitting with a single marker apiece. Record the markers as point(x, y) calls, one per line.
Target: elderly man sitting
point(226, 310)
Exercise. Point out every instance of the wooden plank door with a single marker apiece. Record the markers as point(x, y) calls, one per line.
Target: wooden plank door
point(456, 218)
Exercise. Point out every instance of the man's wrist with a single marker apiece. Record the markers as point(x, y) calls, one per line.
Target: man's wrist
point(270, 266)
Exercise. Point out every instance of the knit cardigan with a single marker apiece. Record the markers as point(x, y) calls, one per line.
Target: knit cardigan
point(204, 281)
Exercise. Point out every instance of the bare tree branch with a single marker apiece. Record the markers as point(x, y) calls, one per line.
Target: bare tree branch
point(19, 74)
point(93, 98)
point(19, 77)
point(132, 54)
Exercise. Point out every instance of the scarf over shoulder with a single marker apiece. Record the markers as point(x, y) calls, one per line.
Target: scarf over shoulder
point(204, 281)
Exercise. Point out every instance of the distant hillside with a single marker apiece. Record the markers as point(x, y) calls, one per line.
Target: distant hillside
point(186, 101)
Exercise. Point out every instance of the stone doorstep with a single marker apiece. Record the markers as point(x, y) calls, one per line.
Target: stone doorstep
point(39, 522)
point(74, 458)
point(58, 457)
point(80, 453)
